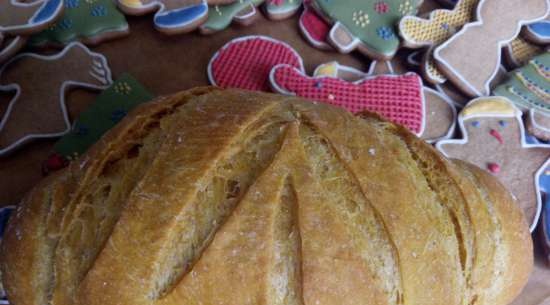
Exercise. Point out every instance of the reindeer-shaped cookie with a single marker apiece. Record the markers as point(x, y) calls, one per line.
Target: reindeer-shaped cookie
point(23, 18)
point(470, 59)
point(40, 83)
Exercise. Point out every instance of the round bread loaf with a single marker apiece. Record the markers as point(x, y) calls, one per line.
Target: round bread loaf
point(231, 197)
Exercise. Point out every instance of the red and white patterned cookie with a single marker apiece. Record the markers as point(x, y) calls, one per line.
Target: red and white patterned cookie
point(245, 62)
point(314, 28)
point(398, 98)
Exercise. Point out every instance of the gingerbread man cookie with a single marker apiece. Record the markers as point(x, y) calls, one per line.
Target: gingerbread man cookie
point(90, 22)
point(498, 23)
point(441, 24)
point(171, 16)
point(243, 12)
point(281, 9)
point(366, 25)
point(494, 139)
point(38, 109)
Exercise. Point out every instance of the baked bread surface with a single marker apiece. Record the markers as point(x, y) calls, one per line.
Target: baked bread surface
point(231, 197)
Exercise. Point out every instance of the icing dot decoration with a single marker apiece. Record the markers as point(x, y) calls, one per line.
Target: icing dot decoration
point(496, 135)
point(406, 8)
point(319, 85)
point(72, 3)
point(360, 18)
point(385, 32)
point(381, 7)
point(123, 88)
point(65, 24)
point(502, 123)
point(475, 124)
point(493, 168)
point(99, 10)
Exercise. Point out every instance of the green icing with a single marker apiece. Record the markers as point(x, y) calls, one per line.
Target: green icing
point(282, 6)
point(220, 16)
point(106, 111)
point(81, 20)
point(516, 88)
point(372, 22)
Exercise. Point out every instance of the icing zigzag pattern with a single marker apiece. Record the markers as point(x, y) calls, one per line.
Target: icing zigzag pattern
point(529, 86)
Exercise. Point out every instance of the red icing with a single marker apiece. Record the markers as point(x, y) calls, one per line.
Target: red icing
point(493, 168)
point(314, 26)
point(497, 136)
point(397, 98)
point(246, 63)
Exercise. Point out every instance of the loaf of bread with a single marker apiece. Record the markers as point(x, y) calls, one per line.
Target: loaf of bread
point(230, 197)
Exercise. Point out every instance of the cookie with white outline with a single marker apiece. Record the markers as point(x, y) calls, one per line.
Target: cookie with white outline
point(38, 108)
point(243, 12)
point(281, 9)
point(367, 26)
point(171, 16)
point(245, 62)
point(493, 138)
point(498, 23)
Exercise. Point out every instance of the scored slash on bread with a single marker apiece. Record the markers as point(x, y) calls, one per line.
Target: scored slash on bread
point(228, 197)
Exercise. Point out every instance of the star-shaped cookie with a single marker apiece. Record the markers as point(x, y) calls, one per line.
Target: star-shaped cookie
point(494, 140)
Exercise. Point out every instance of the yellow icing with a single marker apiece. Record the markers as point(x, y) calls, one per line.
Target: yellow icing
point(131, 3)
point(328, 69)
point(489, 106)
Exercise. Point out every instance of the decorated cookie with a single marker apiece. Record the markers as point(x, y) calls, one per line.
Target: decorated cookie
point(402, 104)
point(171, 16)
point(519, 51)
point(439, 111)
point(281, 9)
point(314, 28)
point(545, 227)
point(498, 23)
point(529, 87)
point(220, 17)
point(10, 45)
point(23, 18)
point(245, 62)
point(494, 140)
point(538, 32)
point(366, 25)
point(538, 124)
point(38, 109)
point(87, 21)
point(441, 24)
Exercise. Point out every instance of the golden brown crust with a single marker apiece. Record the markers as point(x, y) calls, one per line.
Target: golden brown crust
point(233, 197)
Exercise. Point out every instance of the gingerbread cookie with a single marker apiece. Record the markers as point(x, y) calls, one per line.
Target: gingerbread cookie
point(281, 9)
point(494, 139)
point(545, 226)
point(366, 25)
point(245, 62)
point(171, 16)
point(243, 12)
point(441, 24)
point(538, 124)
point(38, 109)
point(10, 45)
point(23, 18)
point(519, 51)
point(314, 28)
point(402, 104)
point(439, 111)
point(90, 22)
point(498, 23)
point(538, 32)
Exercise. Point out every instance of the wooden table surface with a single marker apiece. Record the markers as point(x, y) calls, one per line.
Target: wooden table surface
point(169, 64)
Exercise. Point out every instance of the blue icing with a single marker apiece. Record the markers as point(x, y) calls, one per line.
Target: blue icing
point(4, 216)
point(546, 216)
point(181, 17)
point(540, 28)
point(47, 11)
